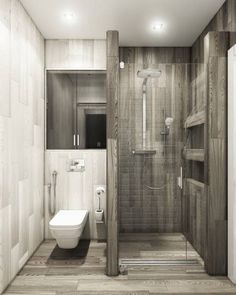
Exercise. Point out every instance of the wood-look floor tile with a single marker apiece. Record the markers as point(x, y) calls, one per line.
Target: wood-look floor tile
point(40, 278)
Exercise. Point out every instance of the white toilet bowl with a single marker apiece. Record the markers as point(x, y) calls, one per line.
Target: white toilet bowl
point(67, 227)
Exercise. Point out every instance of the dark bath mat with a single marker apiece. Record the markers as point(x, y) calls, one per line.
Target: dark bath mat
point(70, 256)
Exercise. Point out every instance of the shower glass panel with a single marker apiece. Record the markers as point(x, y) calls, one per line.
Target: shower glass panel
point(154, 211)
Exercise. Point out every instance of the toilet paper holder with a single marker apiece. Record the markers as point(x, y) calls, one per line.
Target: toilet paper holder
point(99, 213)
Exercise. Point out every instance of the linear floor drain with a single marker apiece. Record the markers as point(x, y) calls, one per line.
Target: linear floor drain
point(143, 262)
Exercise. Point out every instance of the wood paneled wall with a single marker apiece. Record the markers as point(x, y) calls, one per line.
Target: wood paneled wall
point(211, 47)
point(194, 193)
point(148, 56)
point(216, 47)
point(21, 138)
point(195, 196)
point(143, 209)
point(224, 20)
point(112, 153)
point(76, 54)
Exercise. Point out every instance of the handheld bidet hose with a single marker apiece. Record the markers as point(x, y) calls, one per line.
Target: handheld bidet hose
point(99, 204)
point(52, 202)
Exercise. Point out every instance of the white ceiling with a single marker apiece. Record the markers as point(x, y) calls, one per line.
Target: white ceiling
point(183, 20)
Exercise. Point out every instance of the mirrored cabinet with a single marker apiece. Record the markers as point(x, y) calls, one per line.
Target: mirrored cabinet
point(76, 110)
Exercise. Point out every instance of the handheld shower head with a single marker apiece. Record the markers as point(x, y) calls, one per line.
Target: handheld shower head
point(169, 121)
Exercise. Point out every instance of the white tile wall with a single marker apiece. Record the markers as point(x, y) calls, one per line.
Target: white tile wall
point(21, 138)
point(76, 54)
point(76, 190)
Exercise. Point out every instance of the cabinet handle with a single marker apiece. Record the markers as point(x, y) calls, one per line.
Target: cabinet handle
point(74, 140)
point(77, 139)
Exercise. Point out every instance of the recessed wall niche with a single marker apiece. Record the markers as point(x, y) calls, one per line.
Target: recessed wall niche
point(76, 110)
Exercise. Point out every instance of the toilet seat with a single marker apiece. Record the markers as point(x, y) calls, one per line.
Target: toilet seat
point(69, 219)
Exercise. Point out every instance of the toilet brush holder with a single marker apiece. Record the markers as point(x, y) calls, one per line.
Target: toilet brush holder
point(99, 213)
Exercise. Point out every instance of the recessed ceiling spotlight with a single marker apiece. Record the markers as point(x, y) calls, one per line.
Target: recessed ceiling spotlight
point(69, 16)
point(158, 27)
point(122, 65)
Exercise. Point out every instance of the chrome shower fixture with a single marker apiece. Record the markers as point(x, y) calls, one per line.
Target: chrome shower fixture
point(145, 74)
point(168, 123)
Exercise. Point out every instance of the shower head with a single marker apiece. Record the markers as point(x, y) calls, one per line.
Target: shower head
point(149, 73)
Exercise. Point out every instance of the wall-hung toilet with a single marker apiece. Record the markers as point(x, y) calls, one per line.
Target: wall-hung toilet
point(67, 227)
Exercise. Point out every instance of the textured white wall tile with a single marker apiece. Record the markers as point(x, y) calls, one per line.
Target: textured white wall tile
point(23, 190)
point(57, 53)
point(21, 138)
point(75, 190)
point(5, 58)
point(76, 54)
point(1, 251)
point(31, 227)
point(14, 260)
point(99, 54)
point(23, 259)
point(14, 200)
point(5, 215)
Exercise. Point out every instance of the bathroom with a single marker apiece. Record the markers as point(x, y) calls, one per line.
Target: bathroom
point(117, 147)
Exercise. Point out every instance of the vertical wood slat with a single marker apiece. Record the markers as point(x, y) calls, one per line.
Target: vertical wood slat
point(112, 136)
point(216, 46)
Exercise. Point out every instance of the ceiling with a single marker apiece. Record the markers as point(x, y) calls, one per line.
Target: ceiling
point(183, 20)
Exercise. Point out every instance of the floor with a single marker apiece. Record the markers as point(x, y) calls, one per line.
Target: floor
point(37, 277)
point(157, 246)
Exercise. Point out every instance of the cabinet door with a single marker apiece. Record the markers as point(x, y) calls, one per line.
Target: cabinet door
point(60, 112)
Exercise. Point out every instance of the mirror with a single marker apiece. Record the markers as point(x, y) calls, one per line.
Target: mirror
point(76, 110)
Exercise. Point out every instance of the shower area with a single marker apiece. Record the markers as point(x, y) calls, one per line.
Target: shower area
point(155, 217)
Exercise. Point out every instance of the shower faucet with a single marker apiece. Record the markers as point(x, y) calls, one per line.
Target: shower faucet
point(168, 123)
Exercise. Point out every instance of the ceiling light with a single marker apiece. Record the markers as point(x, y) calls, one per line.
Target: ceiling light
point(68, 16)
point(158, 27)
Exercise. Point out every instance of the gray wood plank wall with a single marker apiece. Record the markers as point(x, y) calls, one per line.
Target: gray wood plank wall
point(147, 56)
point(216, 47)
point(194, 194)
point(112, 154)
point(142, 209)
point(215, 142)
point(224, 20)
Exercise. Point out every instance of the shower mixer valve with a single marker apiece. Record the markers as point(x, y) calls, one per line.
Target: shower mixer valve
point(168, 123)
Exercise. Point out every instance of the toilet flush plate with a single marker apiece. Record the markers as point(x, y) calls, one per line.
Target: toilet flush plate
point(76, 165)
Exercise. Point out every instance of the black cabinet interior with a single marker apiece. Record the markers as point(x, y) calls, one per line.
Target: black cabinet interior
point(95, 131)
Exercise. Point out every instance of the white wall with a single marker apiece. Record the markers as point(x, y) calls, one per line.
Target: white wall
point(232, 164)
point(76, 190)
point(76, 54)
point(21, 138)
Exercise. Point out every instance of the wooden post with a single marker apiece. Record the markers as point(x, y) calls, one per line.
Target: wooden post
point(216, 45)
point(112, 90)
